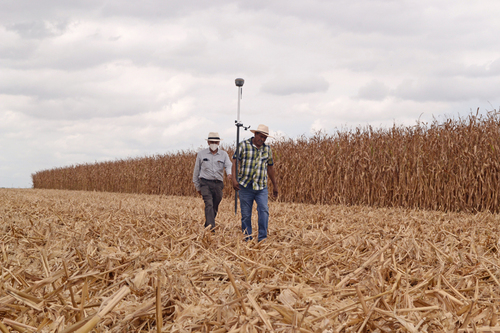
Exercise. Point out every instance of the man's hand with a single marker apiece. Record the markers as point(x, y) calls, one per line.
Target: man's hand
point(236, 186)
point(199, 192)
point(234, 181)
point(275, 192)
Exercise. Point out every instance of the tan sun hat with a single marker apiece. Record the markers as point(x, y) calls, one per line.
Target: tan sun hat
point(213, 136)
point(262, 129)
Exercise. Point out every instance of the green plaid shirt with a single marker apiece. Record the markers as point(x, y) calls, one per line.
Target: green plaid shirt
point(253, 163)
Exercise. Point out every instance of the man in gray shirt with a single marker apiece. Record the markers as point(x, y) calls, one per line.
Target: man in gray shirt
point(208, 176)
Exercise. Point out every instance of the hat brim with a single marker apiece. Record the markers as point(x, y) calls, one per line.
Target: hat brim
point(256, 131)
point(218, 140)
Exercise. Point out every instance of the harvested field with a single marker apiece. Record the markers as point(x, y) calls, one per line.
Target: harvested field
point(115, 262)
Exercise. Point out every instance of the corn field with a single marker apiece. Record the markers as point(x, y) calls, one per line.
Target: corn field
point(82, 261)
point(169, 174)
point(451, 165)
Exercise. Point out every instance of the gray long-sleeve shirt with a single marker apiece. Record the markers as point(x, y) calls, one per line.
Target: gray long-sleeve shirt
point(211, 166)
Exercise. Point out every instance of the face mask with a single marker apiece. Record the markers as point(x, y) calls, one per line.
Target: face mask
point(213, 146)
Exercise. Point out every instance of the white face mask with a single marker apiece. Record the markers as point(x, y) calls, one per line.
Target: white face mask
point(213, 146)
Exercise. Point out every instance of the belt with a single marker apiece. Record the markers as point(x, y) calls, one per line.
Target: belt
point(212, 180)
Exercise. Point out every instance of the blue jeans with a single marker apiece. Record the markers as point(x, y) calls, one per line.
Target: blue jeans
point(247, 197)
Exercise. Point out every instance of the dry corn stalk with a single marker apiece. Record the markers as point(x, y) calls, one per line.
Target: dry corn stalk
point(451, 165)
point(76, 260)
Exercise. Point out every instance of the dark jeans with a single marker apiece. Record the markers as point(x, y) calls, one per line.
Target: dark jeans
point(211, 190)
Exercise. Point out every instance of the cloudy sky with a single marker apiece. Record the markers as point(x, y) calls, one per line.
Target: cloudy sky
point(85, 80)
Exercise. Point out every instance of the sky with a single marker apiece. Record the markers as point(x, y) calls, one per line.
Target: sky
point(86, 81)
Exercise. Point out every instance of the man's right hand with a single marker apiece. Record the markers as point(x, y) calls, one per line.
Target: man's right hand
point(236, 186)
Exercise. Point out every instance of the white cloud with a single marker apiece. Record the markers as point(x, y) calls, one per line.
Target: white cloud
point(295, 84)
point(86, 81)
point(374, 90)
point(452, 89)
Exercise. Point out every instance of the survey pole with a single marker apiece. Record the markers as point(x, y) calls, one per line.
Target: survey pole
point(239, 83)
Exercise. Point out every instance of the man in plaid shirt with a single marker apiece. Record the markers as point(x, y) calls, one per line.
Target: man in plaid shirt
point(256, 165)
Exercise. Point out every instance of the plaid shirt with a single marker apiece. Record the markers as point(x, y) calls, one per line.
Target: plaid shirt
point(254, 163)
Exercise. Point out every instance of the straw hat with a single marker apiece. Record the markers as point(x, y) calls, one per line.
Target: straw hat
point(262, 129)
point(213, 136)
